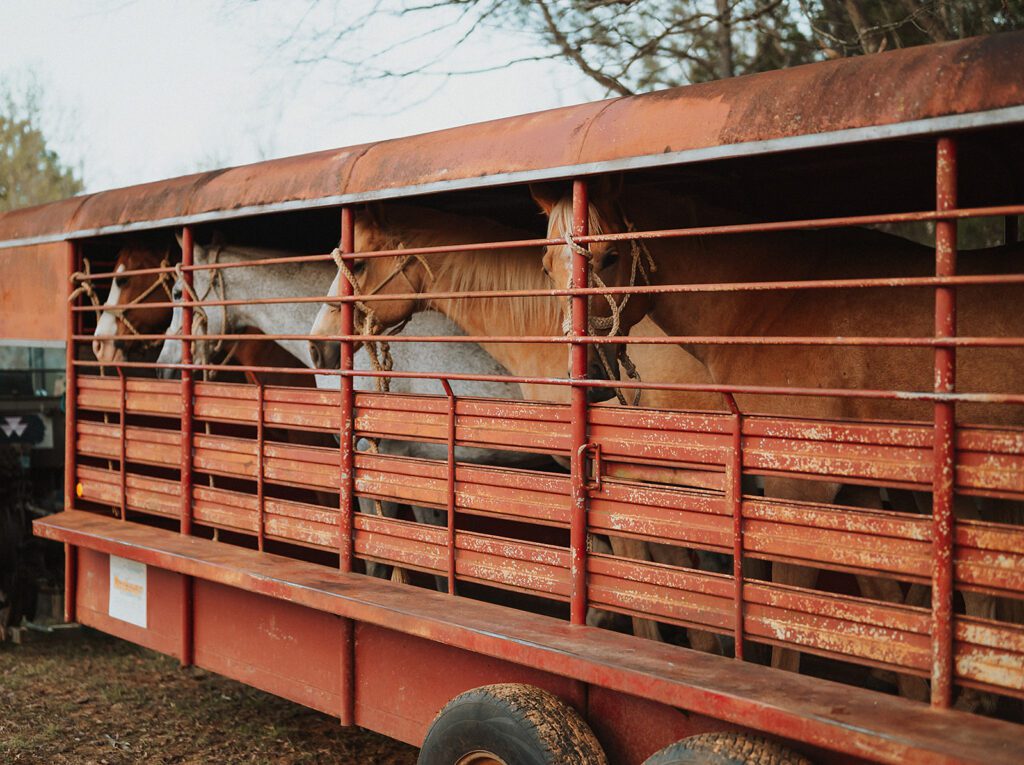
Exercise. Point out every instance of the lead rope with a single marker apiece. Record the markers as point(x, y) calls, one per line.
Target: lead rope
point(642, 264)
point(378, 351)
point(85, 288)
point(120, 312)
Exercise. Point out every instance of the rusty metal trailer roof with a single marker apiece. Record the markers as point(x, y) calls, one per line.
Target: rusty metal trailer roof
point(918, 91)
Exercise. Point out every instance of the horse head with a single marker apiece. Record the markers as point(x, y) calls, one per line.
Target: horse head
point(613, 264)
point(396, 274)
point(205, 321)
point(125, 311)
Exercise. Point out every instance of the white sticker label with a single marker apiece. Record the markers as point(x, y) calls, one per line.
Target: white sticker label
point(128, 591)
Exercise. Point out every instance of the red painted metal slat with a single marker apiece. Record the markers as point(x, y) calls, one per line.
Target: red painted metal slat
point(882, 727)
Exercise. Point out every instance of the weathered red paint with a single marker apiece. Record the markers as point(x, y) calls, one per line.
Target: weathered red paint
point(697, 458)
point(186, 461)
point(578, 417)
point(874, 726)
point(943, 481)
point(73, 323)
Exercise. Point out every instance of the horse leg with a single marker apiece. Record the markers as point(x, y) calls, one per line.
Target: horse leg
point(885, 590)
point(595, 616)
point(383, 570)
point(787, 573)
point(432, 517)
point(682, 557)
point(636, 550)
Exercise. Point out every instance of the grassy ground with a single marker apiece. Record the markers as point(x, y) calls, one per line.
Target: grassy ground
point(96, 700)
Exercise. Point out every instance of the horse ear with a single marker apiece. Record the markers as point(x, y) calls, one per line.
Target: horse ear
point(547, 195)
point(373, 213)
point(606, 188)
point(178, 236)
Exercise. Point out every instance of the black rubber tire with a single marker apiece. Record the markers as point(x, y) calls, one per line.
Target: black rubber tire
point(726, 749)
point(520, 724)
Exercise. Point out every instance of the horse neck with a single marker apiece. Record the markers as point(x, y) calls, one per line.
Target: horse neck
point(502, 270)
point(413, 227)
point(270, 281)
point(713, 259)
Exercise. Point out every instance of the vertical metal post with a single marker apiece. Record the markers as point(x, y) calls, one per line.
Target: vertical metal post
point(122, 411)
point(943, 447)
point(578, 406)
point(346, 481)
point(187, 390)
point(260, 528)
point(70, 436)
point(734, 490)
point(452, 407)
point(346, 486)
point(187, 428)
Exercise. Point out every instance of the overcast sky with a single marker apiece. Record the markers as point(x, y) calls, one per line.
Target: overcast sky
point(138, 90)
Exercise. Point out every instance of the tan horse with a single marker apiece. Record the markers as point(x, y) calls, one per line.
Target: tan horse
point(803, 255)
point(517, 269)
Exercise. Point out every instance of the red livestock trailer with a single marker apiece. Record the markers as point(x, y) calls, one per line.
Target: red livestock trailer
point(197, 525)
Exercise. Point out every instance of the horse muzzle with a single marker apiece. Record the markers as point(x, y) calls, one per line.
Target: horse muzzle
point(324, 354)
point(596, 371)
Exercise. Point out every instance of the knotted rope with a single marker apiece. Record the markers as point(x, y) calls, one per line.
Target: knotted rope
point(378, 351)
point(120, 310)
point(643, 265)
point(206, 350)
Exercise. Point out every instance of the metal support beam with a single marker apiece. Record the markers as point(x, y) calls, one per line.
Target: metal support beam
point(452, 407)
point(74, 321)
point(187, 430)
point(346, 478)
point(943, 445)
point(578, 406)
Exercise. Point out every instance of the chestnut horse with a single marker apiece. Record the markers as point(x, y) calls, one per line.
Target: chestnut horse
point(125, 312)
point(791, 256)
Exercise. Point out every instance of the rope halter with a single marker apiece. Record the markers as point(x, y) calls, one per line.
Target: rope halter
point(642, 265)
point(204, 351)
point(120, 311)
point(379, 351)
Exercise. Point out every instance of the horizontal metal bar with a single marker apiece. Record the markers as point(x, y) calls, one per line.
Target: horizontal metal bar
point(639, 289)
point(741, 228)
point(886, 342)
point(978, 398)
point(929, 126)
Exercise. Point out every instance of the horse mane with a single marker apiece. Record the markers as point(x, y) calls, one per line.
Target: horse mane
point(483, 270)
point(500, 270)
point(560, 219)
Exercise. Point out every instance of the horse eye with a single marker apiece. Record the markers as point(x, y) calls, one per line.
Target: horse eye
point(610, 258)
point(121, 281)
point(358, 266)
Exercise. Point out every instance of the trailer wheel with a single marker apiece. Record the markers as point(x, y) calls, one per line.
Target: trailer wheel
point(726, 749)
point(509, 724)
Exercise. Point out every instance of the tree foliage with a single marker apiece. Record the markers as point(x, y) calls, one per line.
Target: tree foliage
point(31, 172)
point(633, 46)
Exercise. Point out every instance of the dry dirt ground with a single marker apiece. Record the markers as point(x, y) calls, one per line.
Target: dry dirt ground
point(96, 700)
